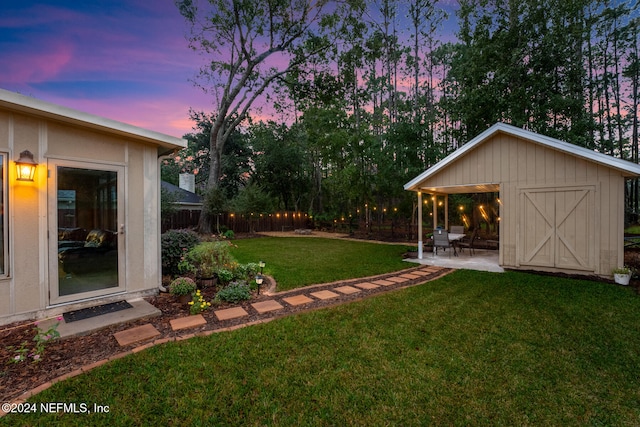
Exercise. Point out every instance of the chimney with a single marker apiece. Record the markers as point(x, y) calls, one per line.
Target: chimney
point(188, 182)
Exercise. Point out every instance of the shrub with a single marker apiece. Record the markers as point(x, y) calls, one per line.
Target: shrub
point(235, 292)
point(246, 271)
point(224, 275)
point(208, 257)
point(182, 286)
point(175, 245)
point(229, 234)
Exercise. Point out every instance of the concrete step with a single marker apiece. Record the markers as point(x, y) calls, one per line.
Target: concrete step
point(140, 310)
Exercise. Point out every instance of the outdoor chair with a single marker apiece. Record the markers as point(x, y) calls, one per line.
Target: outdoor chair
point(441, 240)
point(469, 243)
point(457, 229)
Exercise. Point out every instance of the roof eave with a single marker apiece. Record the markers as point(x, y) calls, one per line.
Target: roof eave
point(24, 104)
point(626, 168)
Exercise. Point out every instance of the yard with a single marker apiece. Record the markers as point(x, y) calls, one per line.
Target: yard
point(299, 261)
point(470, 348)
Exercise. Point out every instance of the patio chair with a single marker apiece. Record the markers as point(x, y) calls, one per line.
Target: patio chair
point(457, 229)
point(469, 243)
point(441, 240)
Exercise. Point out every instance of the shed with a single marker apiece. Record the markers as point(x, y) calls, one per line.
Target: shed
point(562, 206)
point(86, 228)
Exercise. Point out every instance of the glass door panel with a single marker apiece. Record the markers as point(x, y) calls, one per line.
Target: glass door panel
point(88, 214)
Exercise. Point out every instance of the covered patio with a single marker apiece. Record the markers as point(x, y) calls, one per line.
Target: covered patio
point(481, 260)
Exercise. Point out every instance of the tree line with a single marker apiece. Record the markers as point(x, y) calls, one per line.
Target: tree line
point(365, 95)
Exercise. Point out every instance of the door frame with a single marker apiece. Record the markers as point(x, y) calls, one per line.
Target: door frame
point(52, 209)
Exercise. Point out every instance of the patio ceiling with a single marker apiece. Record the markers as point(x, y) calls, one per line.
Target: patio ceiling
point(461, 189)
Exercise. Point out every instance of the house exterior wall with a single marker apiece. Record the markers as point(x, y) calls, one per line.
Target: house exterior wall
point(24, 289)
point(518, 165)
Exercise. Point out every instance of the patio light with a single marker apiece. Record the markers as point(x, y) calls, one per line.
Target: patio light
point(261, 265)
point(26, 166)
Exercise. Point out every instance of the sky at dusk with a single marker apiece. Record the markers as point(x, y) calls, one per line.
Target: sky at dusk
point(126, 60)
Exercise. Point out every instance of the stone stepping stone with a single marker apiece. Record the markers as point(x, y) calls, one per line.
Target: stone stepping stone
point(298, 300)
point(366, 285)
point(324, 294)
point(383, 282)
point(347, 290)
point(187, 322)
point(397, 279)
point(410, 276)
point(139, 333)
point(422, 273)
point(230, 313)
point(266, 306)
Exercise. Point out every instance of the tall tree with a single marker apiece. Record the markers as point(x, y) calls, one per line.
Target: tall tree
point(280, 164)
point(522, 61)
point(250, 44)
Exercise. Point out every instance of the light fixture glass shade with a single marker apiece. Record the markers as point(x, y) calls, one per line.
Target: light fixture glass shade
point(26, 166)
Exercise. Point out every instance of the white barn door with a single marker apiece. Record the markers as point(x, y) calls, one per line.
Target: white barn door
point(556, 228)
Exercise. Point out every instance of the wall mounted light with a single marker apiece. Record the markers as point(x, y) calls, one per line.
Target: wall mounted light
point(26, 166)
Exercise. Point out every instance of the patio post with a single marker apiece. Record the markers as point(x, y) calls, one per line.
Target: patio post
point(419, 225)
point(435, 211)
point(446, 211)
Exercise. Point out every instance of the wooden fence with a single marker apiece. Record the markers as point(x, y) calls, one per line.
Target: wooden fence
point(399, 230)
point(281, 221)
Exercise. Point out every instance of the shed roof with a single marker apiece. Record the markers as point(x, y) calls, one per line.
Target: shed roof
point(35, 107)
point(628, 169)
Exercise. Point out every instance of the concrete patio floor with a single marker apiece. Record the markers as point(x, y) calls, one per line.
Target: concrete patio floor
point(481, 260)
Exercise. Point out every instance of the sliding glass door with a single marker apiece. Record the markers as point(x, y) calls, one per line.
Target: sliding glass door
point(86, 226)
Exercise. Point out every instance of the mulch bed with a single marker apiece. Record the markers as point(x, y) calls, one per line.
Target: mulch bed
point(69, 354)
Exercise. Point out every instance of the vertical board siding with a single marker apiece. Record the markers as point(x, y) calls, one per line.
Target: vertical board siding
point(516, 164)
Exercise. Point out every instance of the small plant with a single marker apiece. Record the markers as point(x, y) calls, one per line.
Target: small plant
point(175, 246)
point(224, 276)
point(198, 304)
point(621, 270)
point(182, 286)
point(229, 234)
point(41, 339)
point(246, 271)
point(235, 292)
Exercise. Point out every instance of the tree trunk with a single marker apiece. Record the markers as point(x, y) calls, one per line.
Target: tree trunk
point(216, 144)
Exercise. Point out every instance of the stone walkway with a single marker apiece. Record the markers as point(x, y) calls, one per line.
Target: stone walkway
point(309, 298)
point(296, 298)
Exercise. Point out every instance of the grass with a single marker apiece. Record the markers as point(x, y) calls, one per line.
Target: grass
point(634, 229)
point(300, 261)
point(471, 348)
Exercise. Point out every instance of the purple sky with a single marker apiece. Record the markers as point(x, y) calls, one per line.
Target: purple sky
point(127, 60)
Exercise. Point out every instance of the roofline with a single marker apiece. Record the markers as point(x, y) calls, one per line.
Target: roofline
point(629, 169)
point(25, 104)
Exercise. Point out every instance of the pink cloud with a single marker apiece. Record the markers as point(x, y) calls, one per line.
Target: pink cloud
point(46, 64)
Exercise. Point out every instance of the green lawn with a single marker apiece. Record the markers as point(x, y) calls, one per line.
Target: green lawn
point(301, 261)
point(471, 348)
